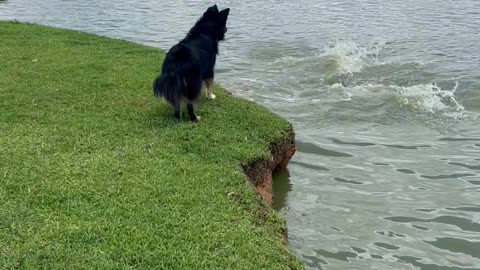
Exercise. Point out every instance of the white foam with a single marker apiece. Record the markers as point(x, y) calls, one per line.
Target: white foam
point(351, 57)
point(428, 98)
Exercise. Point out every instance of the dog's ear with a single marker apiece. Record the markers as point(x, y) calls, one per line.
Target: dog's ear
point(211, 12)
point(224, 13)
point(213, 8)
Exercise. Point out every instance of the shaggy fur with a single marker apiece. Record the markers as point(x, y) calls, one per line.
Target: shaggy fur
point(191, 61)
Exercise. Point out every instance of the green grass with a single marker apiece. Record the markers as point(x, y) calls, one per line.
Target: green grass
point(96, 174)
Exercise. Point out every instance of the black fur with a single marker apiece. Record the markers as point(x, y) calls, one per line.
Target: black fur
point(191, 61)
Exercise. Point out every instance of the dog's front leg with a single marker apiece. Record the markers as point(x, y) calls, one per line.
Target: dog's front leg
point(209, 90)
point(191, 112)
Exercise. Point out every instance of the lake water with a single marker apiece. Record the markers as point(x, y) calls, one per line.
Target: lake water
point(384, 97)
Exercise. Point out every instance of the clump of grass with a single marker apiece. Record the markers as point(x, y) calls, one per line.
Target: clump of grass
point(96, 174)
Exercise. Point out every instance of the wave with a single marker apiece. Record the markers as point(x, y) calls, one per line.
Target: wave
point(428, 98)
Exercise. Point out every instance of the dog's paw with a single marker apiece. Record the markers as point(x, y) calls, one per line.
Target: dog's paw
point(196, 119)
point(211, 96)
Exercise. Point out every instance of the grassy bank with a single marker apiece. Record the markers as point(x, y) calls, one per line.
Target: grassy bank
point(96, 174)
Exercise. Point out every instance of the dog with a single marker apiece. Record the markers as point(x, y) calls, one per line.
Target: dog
point(191, 62)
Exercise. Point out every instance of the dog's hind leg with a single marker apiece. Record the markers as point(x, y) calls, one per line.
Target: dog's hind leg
point(191, 112)
point(176, 109)
point(209, 90)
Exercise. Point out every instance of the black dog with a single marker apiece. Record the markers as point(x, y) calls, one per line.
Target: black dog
point(191, 61)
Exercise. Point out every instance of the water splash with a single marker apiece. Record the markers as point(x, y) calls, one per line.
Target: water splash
point(431, 98)
point(341, 58)
point(349, 57)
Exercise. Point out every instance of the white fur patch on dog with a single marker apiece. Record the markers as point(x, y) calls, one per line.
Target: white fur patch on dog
point(211, 96)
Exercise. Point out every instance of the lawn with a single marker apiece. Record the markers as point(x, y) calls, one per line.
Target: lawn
point(95, 173)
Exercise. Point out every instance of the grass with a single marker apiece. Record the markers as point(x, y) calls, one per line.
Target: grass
point(96, 174)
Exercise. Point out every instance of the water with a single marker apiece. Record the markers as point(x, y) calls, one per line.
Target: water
point(385, 100)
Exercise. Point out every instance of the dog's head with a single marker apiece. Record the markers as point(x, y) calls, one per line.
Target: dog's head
point(217, 20)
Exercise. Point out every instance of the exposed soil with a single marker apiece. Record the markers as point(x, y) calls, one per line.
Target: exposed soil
point(260, 171)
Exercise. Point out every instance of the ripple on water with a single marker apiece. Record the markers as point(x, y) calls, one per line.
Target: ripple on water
point(457, 245)
point(471, 167)
point(386, 246)
point(465, 208)
point(447, 176)
point(309, 148)
point(391, 234)
point(407, 147)
point(459, 222)
point(359, 250)
point(428, 266)
point(343, 180)
point(337, 141)
point(309, 166)
point(406, 171)
point(339, 255)
point(459, 139)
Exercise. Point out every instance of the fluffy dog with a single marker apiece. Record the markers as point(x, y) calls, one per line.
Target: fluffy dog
point(192, 61)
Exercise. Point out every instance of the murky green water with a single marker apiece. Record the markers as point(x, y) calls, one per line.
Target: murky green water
point(385, 99)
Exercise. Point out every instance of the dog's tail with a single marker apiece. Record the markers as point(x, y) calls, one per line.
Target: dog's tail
point(168, 86)
point(177, 71)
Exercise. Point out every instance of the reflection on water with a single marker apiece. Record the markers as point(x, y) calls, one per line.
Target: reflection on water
point(281, 187)
point(385, 101)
